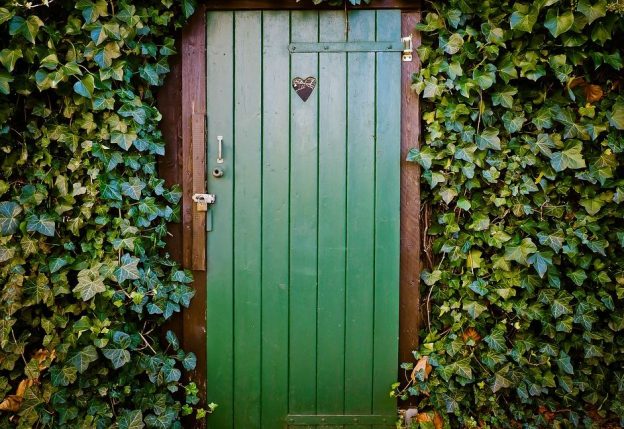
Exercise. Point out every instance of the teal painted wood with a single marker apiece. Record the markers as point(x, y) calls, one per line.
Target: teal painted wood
point(220, 243)
point(387, 222)
point(332, 218)
point(275, 218)
point(360, 219)
point(303, 223)
point(247, 218)
point(303, 254)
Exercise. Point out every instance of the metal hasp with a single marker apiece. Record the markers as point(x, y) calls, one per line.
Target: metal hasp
point(202, 201)
point(408, 49)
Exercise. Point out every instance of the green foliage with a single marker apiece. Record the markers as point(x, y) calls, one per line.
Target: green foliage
point(85, 283)
point(522, 160)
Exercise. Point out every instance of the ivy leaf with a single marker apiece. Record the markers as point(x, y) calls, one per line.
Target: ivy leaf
point(485, 77)
point(504, 97)
point(560, 307)
point(488, 139)
point(479, 287)
point(453, 44)
point(188, 8)
point(592, 205)
point(133, 188)
point(63, 376)
point(616, 118)
point(91, 11)
point(544, 144)
point(9, 211)
point(592, 12)
point(520, 252)
point(523, 19)
point(27, 28)
point(83, 358)
point(131, 420)
point(540, 261)
point(513, 122)
point(496, 341)
point(554, 240)
point(543, 118)
point(85, 86)
point(5, 15)
point(190, 361)
point(564, 363)
point(5, 80)
point(463, 369)
point(123, 140)
point(172, 339)
point(118, 357)
point(577, 276)
point(42, 224)
point(571, 157)
point(500, 382)
point(181, 276)
point(149, 74)
point(558, 24)
point(161, 421)
point(8, 58)
point(128, 269)
point(57, 263)
point(90, 283)
point(422, 156)
point(473, 308)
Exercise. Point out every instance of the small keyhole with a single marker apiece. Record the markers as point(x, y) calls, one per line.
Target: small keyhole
point(217, 172)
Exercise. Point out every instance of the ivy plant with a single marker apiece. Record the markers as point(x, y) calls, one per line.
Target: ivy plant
point(522, 168)
point(85, 281)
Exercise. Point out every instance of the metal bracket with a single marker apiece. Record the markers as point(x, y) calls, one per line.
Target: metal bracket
point(329, 47)
point(203, 200)
point(408, 48)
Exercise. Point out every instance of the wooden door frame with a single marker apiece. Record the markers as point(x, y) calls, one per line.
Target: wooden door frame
point(182, 102)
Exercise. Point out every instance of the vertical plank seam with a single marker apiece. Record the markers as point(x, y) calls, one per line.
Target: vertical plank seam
point(289, 205)
point(375, 128)
point(261, 199)
point(346, 224)
point(318, 202)
point(234, 16)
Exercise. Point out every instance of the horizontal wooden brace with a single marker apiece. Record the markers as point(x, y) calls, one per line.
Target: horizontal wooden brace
point(298, 48)
point(344, 420)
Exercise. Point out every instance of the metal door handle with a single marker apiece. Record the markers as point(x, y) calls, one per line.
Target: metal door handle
point(220, 150)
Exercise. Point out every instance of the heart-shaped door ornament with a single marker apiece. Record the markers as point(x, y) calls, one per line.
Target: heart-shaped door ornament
point(304, 87)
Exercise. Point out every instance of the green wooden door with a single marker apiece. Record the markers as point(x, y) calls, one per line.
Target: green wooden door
point(303, 241)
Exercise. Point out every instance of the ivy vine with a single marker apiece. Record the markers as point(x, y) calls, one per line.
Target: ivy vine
point(522, 158)
point(85, 281)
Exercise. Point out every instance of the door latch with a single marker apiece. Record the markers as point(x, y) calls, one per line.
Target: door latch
point(203, 200)
point(408, 48)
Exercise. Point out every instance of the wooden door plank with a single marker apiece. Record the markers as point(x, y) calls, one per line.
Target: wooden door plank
point(275, 185)
point(247, 217)
point(360, 218)
point(387, 214)
point(303, 223)
point(220, 299)
point(332, 85)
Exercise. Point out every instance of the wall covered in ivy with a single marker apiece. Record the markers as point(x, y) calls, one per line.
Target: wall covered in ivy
point(523, 179)
point(85, 281)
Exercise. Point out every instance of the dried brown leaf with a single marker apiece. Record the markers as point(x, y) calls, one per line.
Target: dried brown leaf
point(422, 364)
point(593, 93)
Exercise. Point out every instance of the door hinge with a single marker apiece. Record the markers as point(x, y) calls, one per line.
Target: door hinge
point(408, 48)
point(203, 200)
